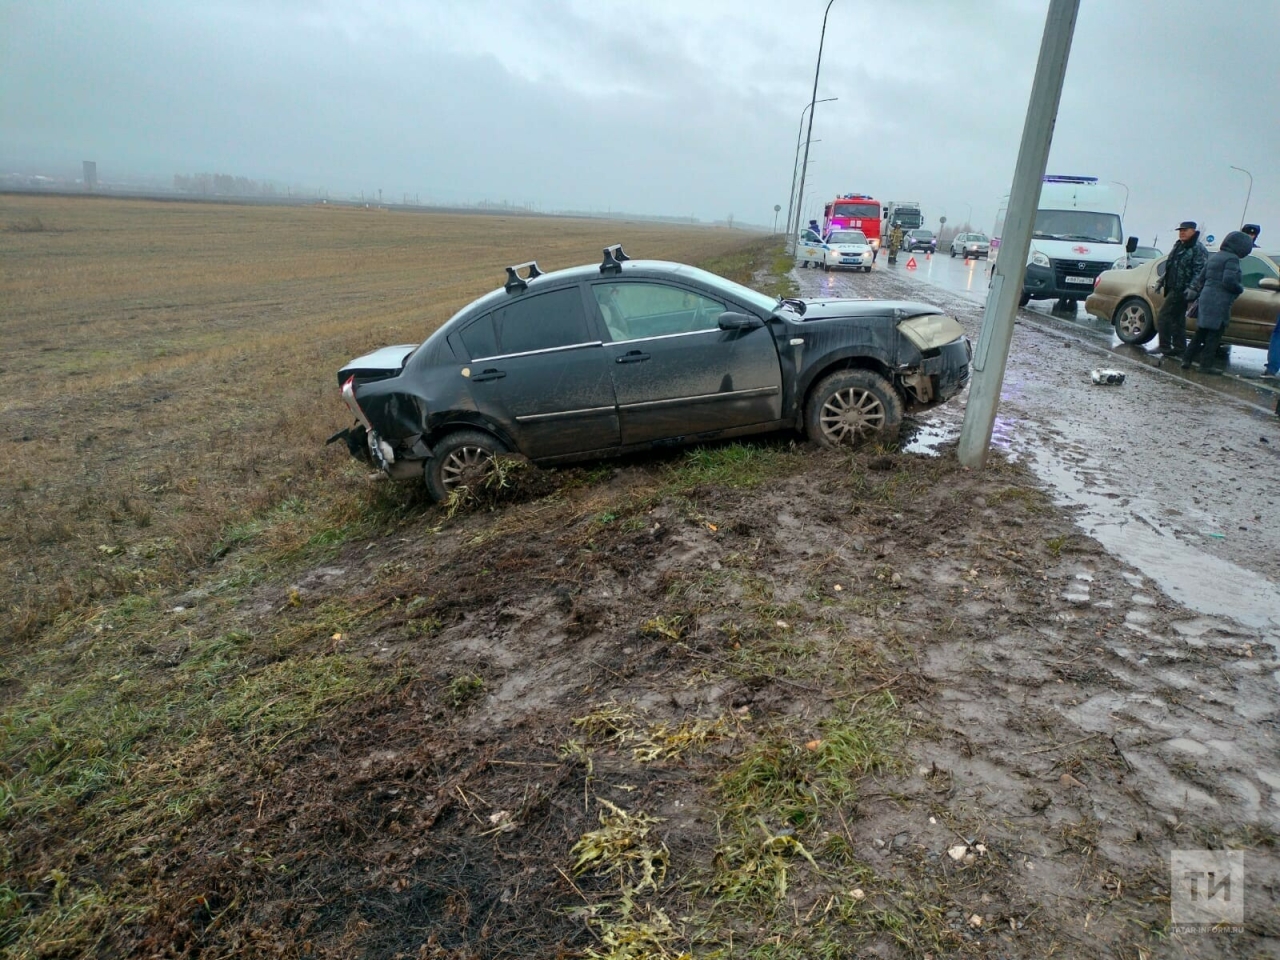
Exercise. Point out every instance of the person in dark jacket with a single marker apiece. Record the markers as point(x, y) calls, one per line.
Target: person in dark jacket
point(1215, 290)
point(1185, 262)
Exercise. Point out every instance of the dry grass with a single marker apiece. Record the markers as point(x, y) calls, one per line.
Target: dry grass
point(172, 366)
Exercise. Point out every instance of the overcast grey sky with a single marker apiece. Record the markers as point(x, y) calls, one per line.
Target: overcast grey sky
point(661, 106)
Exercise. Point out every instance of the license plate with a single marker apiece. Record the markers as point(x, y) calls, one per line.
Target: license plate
point(1088, 280)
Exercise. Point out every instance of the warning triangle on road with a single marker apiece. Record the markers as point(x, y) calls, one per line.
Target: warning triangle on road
point(911, 264)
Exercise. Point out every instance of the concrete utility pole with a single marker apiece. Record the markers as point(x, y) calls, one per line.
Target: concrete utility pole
point(992, 352)
point(804, 168)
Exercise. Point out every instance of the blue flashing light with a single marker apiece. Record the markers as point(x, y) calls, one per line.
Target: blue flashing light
point(1063, 178)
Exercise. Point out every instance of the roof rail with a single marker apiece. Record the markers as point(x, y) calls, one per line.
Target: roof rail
point(613, 258)
point(515, 282)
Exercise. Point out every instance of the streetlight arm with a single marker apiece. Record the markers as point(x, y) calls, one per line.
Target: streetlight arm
point(1243, 216)
point(1125, 208)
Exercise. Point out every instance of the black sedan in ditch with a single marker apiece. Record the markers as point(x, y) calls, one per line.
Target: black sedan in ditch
point(624, 355)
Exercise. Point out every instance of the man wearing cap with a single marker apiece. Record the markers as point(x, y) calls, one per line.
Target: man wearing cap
point(1184, 264)
point(1251, 230)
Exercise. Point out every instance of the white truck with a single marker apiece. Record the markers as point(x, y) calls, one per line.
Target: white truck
point(905, 212)
point(1077, 235)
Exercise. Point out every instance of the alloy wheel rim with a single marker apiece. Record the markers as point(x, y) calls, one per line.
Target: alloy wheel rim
point(1132, 320)
point(851, 414)
point(466, 466)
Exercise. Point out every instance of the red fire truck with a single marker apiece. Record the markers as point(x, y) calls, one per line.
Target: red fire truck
point(853, 211)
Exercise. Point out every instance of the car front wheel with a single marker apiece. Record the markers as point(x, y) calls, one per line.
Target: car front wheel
point(1133, 321)
point(852, 406)
point(462, 459)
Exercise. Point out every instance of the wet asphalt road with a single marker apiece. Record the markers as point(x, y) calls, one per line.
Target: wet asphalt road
point(969, 279)
point(1177, 475)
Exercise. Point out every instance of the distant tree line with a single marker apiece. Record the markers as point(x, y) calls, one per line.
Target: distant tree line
point(222, 185)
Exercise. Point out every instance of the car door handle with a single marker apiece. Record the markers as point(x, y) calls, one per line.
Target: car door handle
point(633, 356)
point(491, 374)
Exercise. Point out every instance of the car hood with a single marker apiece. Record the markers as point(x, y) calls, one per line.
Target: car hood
point(381, 363)
point(861, 308)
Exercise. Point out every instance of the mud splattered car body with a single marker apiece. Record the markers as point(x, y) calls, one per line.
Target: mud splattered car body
point(600, 360)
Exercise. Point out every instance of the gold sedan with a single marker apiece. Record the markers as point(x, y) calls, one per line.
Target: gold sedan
point(1128, 301)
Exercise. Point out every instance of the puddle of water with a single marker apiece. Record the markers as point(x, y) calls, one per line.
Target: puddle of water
point(1198, 580)
point(926, 438)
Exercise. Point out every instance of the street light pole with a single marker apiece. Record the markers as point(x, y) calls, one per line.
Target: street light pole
point(991, 353)
point(1244, 215)
point(793, 230)
point(968, 219)
point(813, 100)
point(1126, 196)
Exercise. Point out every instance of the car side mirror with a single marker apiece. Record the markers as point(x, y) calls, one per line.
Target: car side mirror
point(739, 321)
point(1132, 245)
point(1269, 283)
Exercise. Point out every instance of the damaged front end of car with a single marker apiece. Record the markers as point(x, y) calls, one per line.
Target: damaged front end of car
point(940, 366)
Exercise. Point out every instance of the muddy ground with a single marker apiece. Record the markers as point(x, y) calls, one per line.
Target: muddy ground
point(875, 705)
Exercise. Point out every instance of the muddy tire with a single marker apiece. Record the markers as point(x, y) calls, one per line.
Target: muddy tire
point(852, 406)
point(1133, 321)
point(1024, 299)
point(462, 458)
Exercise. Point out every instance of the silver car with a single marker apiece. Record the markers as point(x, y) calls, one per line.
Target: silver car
point(970, 245)
point(1139, 256)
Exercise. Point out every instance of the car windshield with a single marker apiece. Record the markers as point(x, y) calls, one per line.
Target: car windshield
point(871, 210)
point(848, 236)
point(1077, 225)
point(729, 288)
point(922, 234)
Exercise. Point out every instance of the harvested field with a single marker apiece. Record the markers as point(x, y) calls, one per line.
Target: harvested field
point(753, 700)
point(177, 364)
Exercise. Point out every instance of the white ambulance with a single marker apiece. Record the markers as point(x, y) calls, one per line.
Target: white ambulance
point(1077, 236)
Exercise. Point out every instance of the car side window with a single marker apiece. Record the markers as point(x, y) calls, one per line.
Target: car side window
point(542, 322)
point(636, 310)
point(479, 339)
point(1254, 269)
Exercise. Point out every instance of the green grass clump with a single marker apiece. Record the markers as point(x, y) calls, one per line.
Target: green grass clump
point(287, 697)
point(736, 465)
point(782, 777)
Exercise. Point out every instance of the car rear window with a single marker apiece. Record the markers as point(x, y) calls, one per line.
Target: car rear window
point(479, 339)
point(541, 322)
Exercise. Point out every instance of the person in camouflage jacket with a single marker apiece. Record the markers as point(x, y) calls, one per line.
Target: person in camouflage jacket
point(1184, 264)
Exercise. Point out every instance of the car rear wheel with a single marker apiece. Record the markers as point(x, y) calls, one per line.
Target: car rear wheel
point(1133, 321)
point(852, 406)
point(462, 459)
